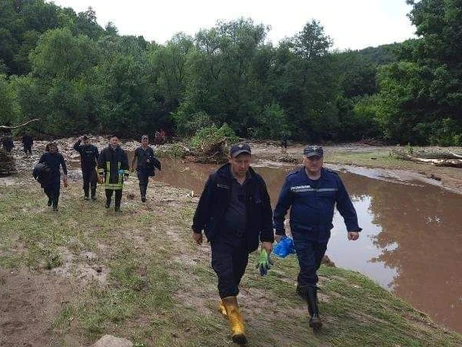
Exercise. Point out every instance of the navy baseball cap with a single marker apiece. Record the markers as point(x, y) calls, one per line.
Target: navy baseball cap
point(313, 151)
point(239, 149)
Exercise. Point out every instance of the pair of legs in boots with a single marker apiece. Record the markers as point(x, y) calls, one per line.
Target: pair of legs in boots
point(309, 254)
point(52, 192)
point(89, 180)
point(229, 261)
point(143, 179)
point(118, 198)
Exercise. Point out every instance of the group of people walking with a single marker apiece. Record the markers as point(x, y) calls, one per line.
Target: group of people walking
point(235, 213)
point(110, 168)
point(27, 141)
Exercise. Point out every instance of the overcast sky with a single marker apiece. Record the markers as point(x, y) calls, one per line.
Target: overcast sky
point(352, 24)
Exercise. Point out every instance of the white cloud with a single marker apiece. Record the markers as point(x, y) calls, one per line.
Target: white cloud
point(351, 24)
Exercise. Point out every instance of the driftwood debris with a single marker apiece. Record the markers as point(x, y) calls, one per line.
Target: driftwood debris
point(20, 125)
point(215, 153)
point(7, 163)
point(447, 159)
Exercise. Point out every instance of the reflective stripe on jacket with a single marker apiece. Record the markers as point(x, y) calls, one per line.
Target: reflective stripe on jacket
point(312, 204)
point(113, 163)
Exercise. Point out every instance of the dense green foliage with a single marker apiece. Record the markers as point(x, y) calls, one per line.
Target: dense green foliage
point(76, 76)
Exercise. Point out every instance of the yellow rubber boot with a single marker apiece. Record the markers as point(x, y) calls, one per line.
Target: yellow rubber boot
point(222, 309)
point(235, 320)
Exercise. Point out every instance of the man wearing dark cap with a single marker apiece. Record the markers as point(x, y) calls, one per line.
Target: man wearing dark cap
point(312, 192)
point(88, 160)
point(234, 210)
point(145, 160)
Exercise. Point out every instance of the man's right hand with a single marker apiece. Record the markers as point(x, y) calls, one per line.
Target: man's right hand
point(197, 237)
point(278, 238)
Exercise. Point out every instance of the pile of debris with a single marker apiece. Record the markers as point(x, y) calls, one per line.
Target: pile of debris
point(435, 157)
point(211, 153)
point(7, 163)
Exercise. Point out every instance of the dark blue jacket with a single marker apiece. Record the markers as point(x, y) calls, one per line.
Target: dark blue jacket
point(88, 155)
point(54, 161)
point(312, 207)
point(215, 200)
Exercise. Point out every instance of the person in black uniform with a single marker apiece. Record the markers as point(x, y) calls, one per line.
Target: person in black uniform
point(144, 157)
point(113, 169)
point(88, 160)
point(312, 192)
point(7, 143)
point(27, 142)
point(234, 210)
point(54, 160)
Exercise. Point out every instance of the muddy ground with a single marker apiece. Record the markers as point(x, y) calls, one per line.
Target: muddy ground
point(29, 301)
point(372, 161)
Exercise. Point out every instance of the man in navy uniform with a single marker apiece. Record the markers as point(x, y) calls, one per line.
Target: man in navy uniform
point(88, 160)
point(312, 192)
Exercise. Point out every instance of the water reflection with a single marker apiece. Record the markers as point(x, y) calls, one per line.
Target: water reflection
point(411, 243)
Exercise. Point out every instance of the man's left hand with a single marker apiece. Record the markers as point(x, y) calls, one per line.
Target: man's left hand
point(267, 246)
point(264, 263)
point(353, 235)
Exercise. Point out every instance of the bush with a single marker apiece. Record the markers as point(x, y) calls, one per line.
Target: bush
point(212, 135)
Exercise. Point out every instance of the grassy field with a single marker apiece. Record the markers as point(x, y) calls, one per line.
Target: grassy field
point(138, 275)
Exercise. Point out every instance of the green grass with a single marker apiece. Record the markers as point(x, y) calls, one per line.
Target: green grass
point(160, 290)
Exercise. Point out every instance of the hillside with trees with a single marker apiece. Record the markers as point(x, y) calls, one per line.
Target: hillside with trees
point(64, 68)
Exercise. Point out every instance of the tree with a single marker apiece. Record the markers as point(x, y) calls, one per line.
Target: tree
point(8, 107)
point(222, 81)
point(425, 92)
point(306, 83)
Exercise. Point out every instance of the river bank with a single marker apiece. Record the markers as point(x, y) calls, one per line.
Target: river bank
point(72, 276)
point(371, 161)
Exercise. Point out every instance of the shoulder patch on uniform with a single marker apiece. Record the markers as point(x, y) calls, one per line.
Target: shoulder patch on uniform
point(294, 171)
point(332, 171)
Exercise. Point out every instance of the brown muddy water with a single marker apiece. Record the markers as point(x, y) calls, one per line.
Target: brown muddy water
point(411, 243)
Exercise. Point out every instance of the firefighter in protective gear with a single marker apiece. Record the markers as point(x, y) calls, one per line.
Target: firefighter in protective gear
point(113, 169)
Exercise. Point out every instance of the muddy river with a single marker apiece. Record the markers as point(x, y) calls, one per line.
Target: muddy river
point(411, 243)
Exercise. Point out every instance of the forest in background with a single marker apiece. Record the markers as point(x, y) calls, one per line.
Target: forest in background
point(78, 77)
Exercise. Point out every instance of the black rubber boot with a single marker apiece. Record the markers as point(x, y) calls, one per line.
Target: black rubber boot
point(311, 293)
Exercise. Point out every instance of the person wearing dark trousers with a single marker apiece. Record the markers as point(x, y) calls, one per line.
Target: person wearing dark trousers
point(88, 160)
point(113, 170)
point(27, 142)
point(8, 143)
point(312, 192)
point(234, 210)
point(144, 157)
point(54, 160)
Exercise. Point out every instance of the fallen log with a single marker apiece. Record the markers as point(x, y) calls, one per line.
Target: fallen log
point(435, 161)
point(20, 125)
